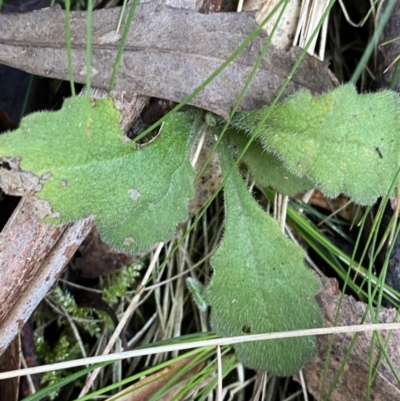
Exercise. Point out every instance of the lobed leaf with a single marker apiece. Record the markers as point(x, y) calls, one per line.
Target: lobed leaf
point(87, 167)
point(260, 283)
point(344, 142)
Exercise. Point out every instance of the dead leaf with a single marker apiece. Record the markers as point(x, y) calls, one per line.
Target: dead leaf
point(352, 383)
point(341, 206)
point(169, 53)
point(98, 259)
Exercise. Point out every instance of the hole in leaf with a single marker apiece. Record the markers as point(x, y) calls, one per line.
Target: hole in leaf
point(246, 329)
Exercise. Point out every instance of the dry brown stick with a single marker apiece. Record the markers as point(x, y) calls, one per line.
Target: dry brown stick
point(32, 256)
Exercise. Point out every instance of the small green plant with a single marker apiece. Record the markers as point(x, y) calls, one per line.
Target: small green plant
point(340, 142)
point(84, 317)
point(64, 350)
point(113, 287)
point(116, 285)
point(90, 320)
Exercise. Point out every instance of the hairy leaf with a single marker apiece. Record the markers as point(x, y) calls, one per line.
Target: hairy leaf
point(266, 168)
point(87, 167)
point(260, 284)
point(345, 142)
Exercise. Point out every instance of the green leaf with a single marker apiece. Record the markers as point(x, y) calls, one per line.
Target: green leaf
point(260, 284)
point(266, 168)
point(344, 142)
point(87, 167)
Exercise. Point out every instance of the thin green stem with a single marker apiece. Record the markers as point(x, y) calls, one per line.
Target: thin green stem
point(68, 42)
point(89, 19)
point(122, 44)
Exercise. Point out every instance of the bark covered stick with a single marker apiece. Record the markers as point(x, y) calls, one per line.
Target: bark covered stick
point(32, 256)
